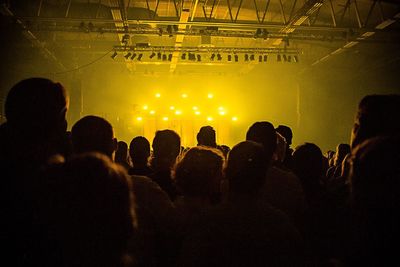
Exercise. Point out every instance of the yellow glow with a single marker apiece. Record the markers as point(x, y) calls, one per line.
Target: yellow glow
point(234, 118)
point(165, 118)
point(197, 113)
point(178, 112)
point(222, 113)
point(221, 108)
point(158, 95)
point(152, 112)
point(184, 95)
point(210, 95)
point(171, 107)
point(145, 107)
point(139, 118)
point(209, 118)
point(195, 108)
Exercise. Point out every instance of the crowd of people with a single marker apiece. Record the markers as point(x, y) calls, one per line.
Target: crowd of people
point(81, 198)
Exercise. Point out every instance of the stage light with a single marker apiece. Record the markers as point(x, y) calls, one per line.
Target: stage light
point(197, 113)
point(221, 108)
point(198, 57)
point(229, 57)
point(133, 56)
point(128, 55)
point(210, 118)
point(152, 112)
point(169, 57)
point(246, 57)
point(140, 57)
point(184, 95)
point(234, 118)
point(158, 95)
point(159, 55)
point(165, 118)
point(210, 95)
point(278, 58)
point(236, 58)
point(222, 113)
point(114, 55)
point(195, 108)
point(171, 107)
point(152, 55)
point(145, 107)
point(178, 112)
point(212, 57)
point(139, 118)
point(265, 58)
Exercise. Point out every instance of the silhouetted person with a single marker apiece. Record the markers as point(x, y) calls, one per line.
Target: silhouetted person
point(93, 134)
point(377, 115)
point(287, 133)
point(282, 189)
point(279, 154)
point(166, 148)
point(341, 151)
point(375, 192)
point(206, 137)
point(35, 130)
point(139, 150)
point(121, 155)
point(245, 231)
point(225, 150)
point(88, 212)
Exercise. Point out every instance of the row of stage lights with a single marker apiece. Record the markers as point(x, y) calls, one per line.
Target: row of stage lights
point(178, 112)
point(214, 57)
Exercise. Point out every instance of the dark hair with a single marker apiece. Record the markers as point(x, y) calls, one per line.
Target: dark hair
point(166, 143)
point(206, 136)
point(263, 132)
point(246, 167)
point(377, 115)
point(139, 149)
point(199, 171)
point(92, 133)
point(308, 162)
point(286, 132)
point(37, 106)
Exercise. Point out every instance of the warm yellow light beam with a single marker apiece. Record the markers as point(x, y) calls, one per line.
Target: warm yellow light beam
point(171, 107)
point(221, 108)
point(184, 95)
point(210, 95)
point(165, 118)
point(139, 118)
point(158, 95)
point(195, 108)
point(152, 112)
point(197, 113)
point(222, 113)
point(145, 107)
point(178, 112)
point(210, 118)
point(234, 118)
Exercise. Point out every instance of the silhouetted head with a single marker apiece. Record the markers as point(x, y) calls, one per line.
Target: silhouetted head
point(139, 150)
point(286, 132)
point(206, 137)
point(246, 168)
point(37, 107)
point(377, 115)
point(166, 147)
point(280, 150)
point(264, 133)
point(308, 163)
point(341, 151)
point(92, 209)
point(225, 150)
point(121, 154)
point(199, 172)
point(93, 133)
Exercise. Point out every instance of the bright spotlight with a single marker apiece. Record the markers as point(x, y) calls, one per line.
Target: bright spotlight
point(221, 108)
point(197, 112)
point(210, 118)
point(234, 118)
point(178, 112)
point(210, 95)
point(222, 113)
point(145, 107)
point(184, 95)
point(171, 107)
point(165, 118)
point(195, 108)
point(152, 112)
point(139, 118)
point(158, 95)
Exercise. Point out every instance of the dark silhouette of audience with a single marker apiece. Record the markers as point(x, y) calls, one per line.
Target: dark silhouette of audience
point(139, 151)
point(166, 148)
point(65, 203)
point(122, 156)
point(206, 137)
